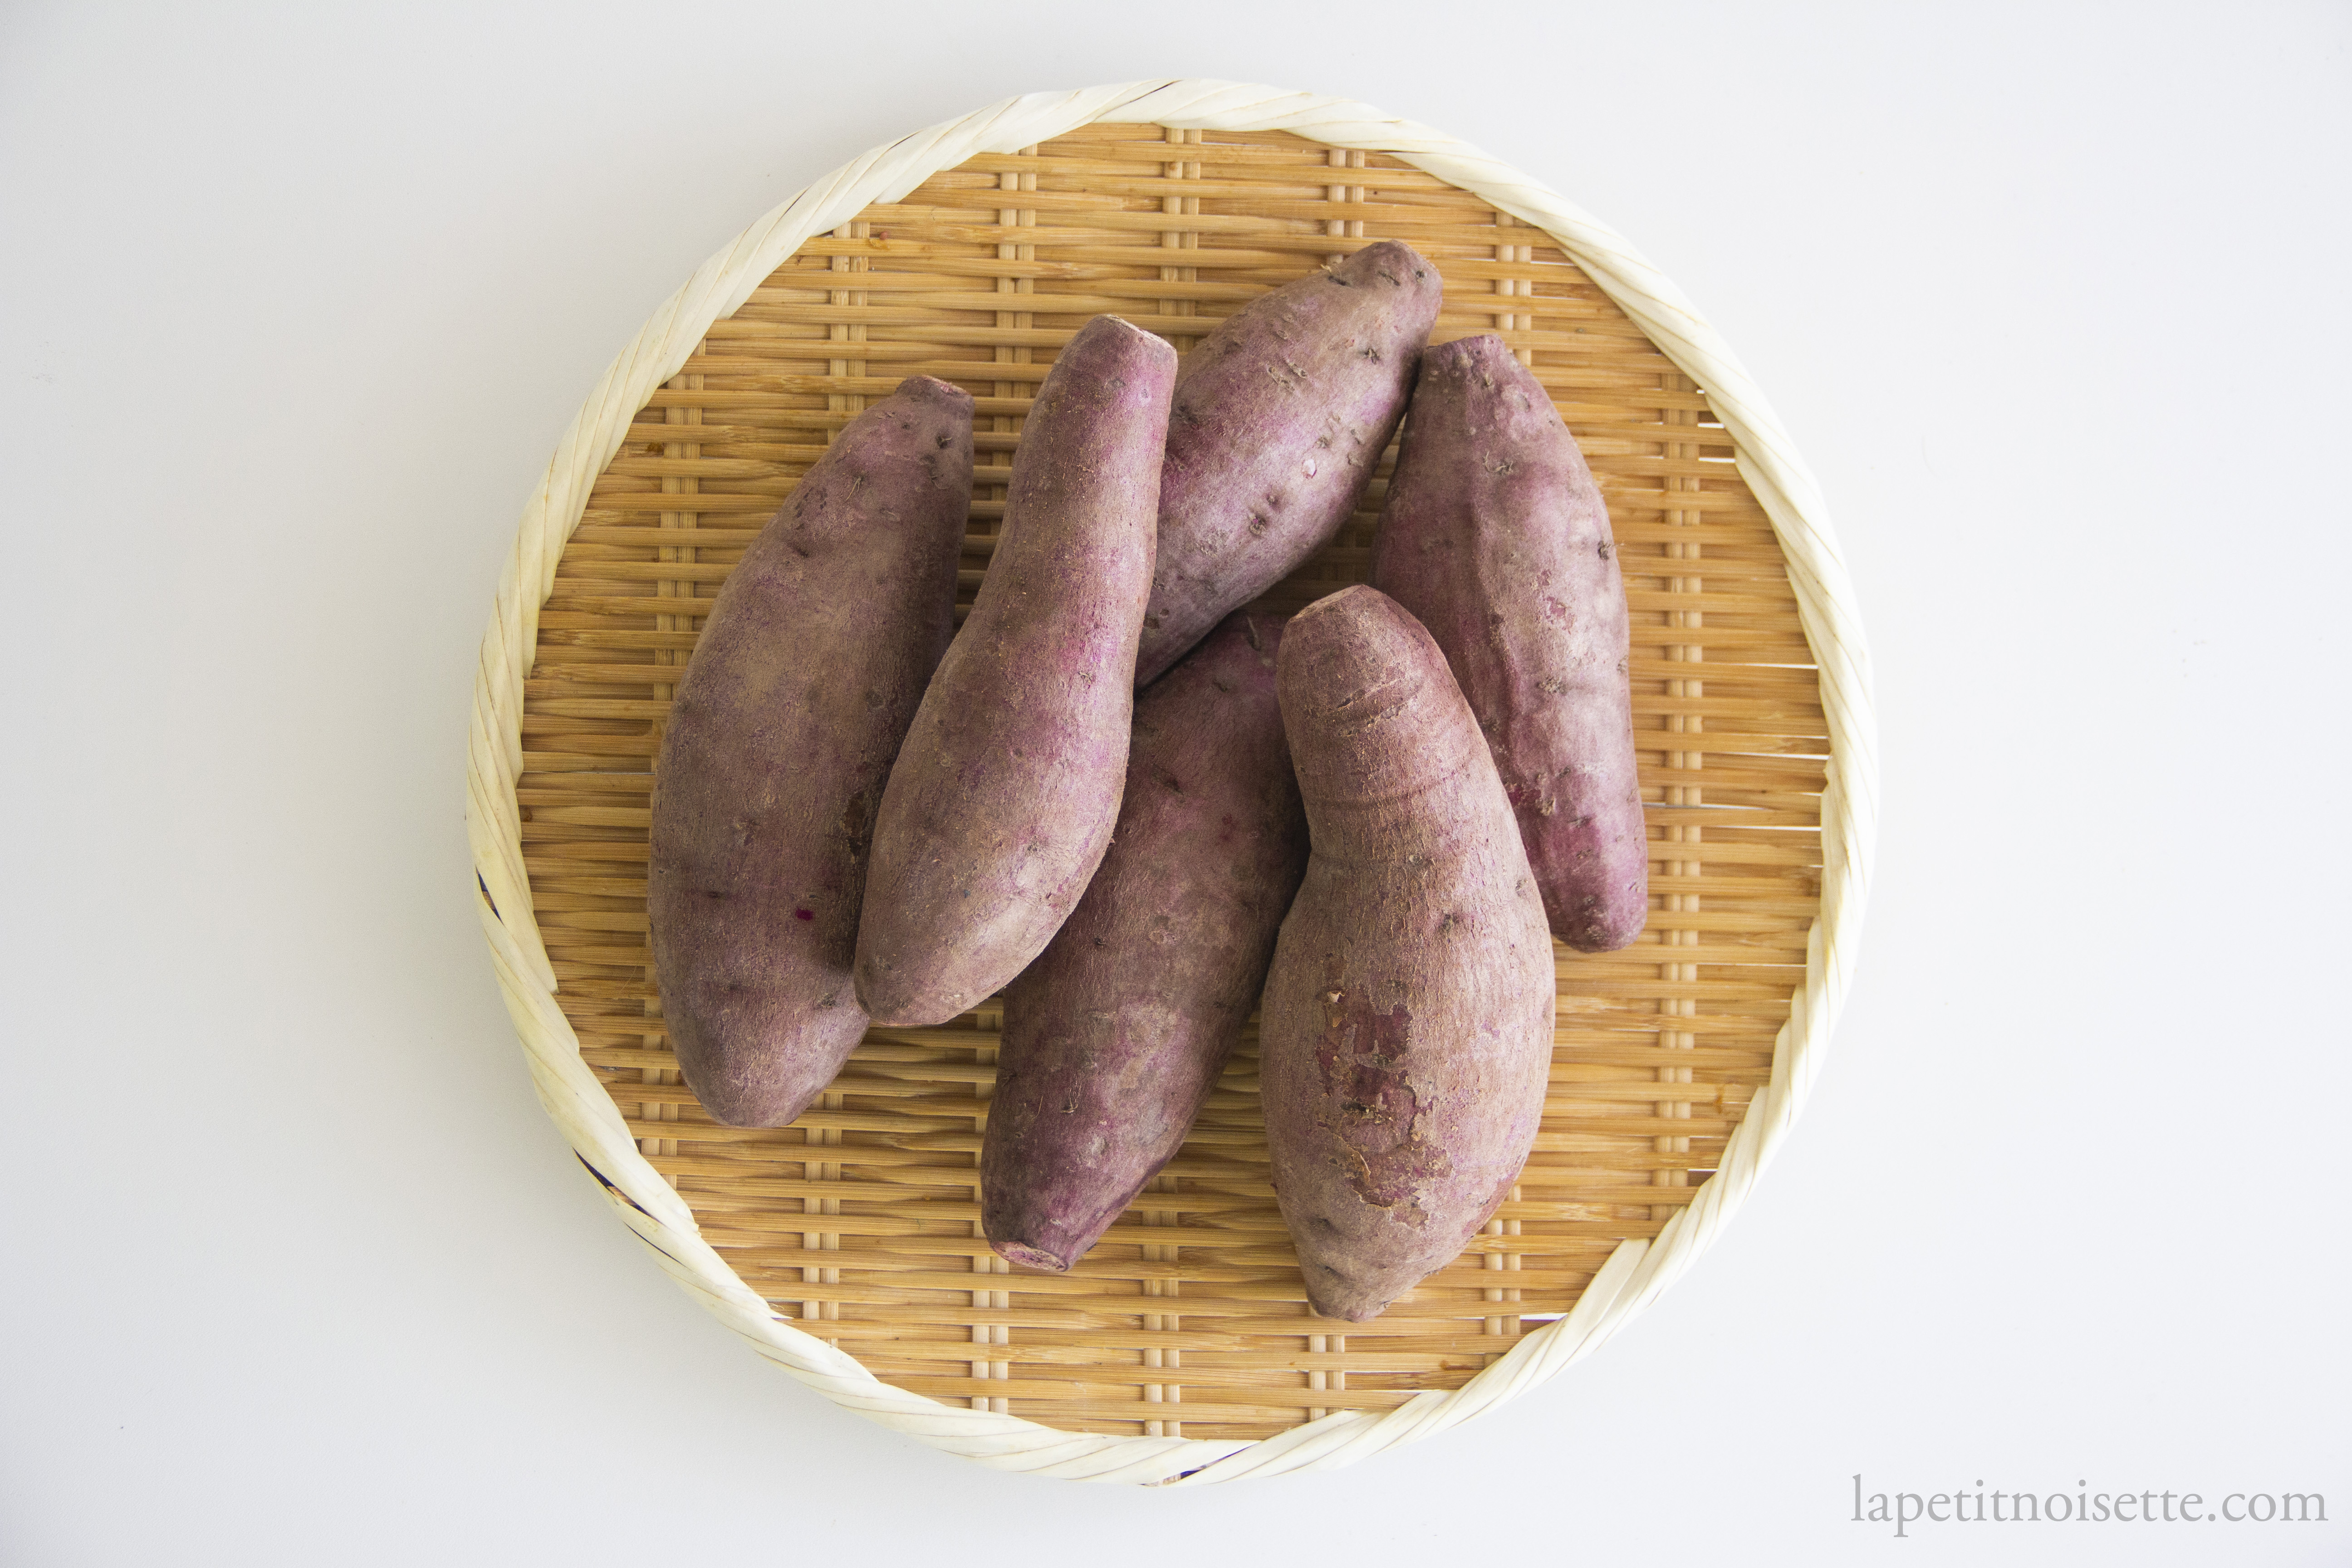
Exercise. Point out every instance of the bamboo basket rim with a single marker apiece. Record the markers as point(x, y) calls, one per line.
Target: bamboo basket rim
point(1638, 1271)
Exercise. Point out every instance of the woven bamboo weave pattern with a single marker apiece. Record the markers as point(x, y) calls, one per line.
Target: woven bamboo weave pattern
point(851, 1236)
point(860, 1221)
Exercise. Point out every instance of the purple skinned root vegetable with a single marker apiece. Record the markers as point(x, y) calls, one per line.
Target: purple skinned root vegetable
point(1002, 798)
point(1496, 538)
point(1281, 415)
point(807, 673)
point(1114, 1035)
point(1406, 1031)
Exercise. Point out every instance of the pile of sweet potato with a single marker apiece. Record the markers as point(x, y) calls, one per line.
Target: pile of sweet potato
point(1138, 802)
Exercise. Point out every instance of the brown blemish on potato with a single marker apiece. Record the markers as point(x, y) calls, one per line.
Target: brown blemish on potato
point(856, 824)
point(1373, 1110)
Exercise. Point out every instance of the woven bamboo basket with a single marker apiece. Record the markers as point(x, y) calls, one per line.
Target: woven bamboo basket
point(846, 1248)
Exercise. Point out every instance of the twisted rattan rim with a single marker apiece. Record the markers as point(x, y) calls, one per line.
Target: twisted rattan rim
point(1638, 1270)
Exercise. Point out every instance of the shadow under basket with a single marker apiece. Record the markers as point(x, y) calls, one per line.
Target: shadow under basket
point(847, 1246)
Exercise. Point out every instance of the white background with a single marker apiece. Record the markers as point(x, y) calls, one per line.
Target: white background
point(297, 301)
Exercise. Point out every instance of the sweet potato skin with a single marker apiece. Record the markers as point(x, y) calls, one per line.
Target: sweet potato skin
point(1281, 415)
point(1002, 798)
point(806, 675)
point(1406, 1033)
point(1115, 1036)
point(1494, 537)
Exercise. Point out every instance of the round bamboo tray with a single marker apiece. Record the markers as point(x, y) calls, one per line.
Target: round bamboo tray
point(846, 1248)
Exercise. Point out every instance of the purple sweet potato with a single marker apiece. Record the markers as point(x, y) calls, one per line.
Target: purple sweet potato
point(1496, 538)
point(1003, 799)
point(1281, 415)
point(1114, 1037)
point(1406, 1033)
point(806, 675)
